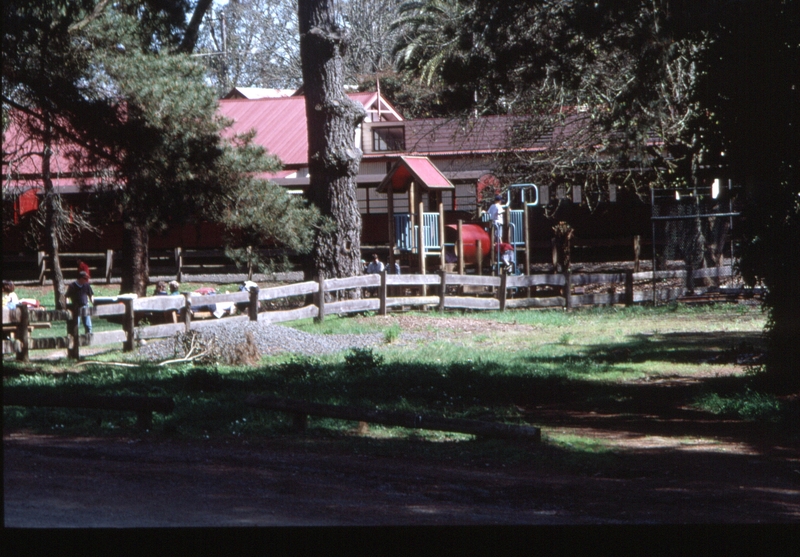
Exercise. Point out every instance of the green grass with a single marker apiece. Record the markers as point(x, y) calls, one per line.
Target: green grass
point(596, 360)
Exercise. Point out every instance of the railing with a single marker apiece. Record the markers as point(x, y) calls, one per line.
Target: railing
point(406, 232)
point(430, 231)
point(453, 291)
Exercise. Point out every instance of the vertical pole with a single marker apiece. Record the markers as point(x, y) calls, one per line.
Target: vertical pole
point(568, 290)
point(187, 310)
point(506, 226)
point(128, 325)
point(321, 299)
point(252, 308)
point(109, 264)
point(628, 288)
point(503, 290)
point(42, 257)
point(421, 243)
point(22, 333)
point(390, 208)
point(74, 351)
point(412, 210)
point(479, 255)
point(493, 250)
point(442, 259)
point(383, 293)
point(653, 241)
point(637, 250)
point(526, 224)
point(178, 264)
point(460, 247)
point(442, 288)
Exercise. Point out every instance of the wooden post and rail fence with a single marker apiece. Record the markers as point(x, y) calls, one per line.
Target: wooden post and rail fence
point(441, 291)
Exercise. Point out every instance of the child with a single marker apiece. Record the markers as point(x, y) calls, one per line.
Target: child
point(10, 299)
point(80, 295)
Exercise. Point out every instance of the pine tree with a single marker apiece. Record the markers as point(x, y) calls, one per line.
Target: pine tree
point(333, 157)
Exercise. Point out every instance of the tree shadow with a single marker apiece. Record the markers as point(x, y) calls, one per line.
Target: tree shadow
point(719, 347)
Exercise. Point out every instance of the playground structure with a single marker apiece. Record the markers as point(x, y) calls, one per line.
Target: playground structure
point(420, 233)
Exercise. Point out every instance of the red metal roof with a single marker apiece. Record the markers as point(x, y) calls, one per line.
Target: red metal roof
point(280, 123)
point(414, 169)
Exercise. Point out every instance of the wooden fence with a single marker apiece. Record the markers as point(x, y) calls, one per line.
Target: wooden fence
point(441, 291)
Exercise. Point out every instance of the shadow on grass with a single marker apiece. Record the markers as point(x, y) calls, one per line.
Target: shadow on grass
point(210, 401)
point(679, 348)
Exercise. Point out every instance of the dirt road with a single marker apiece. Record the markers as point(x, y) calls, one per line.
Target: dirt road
point(64, 483)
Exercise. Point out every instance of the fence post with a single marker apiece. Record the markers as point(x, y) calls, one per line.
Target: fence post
point(383, 293)
point(179, 265)
point(637, 250)
point(22, 333)
point(479, 256)
point(252, 309)
point(628, 288)
point(460, 247)
point(187, 310)
point(568, 290)
point(42, 257)
point(109, 264)
point(129, 324)
point(503, 289)
point(74, 350)
point(442, 288)
point(321, 299)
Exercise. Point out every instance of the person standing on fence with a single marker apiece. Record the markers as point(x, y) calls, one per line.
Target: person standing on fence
point(496, 213)
point(80, 295)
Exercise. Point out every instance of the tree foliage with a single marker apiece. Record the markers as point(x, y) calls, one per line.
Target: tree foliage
point(113, 83)
point(256, 43)
point(689, 90)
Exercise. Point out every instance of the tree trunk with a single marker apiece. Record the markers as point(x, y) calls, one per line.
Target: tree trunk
point(135, 258)
point(332, 153)
point(51, 208)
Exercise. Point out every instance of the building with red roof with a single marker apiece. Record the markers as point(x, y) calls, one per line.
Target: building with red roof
point(446, 160)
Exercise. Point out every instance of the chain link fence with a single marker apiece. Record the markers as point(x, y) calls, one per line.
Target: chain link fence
point(693, 238)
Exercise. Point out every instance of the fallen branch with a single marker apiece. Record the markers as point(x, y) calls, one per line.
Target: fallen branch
point(119, 364)
point(185, 359)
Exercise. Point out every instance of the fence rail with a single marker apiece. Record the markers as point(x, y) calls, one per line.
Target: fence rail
point(325, 297)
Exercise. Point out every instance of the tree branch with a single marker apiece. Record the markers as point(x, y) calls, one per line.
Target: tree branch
point(192, 30)
point(63, 131)
point(98, 9)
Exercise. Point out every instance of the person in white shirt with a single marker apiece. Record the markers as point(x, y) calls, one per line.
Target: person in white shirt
point(496, 213)
point(375, 266)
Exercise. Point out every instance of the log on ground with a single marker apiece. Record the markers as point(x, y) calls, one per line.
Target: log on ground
point(397, 419)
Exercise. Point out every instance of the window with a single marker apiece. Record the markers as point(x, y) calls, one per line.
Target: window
point(465, 197)
point(388, 138)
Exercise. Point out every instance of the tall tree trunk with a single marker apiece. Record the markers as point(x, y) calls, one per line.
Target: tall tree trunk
point(333, 156)
point(52, 217)
point(135, 258)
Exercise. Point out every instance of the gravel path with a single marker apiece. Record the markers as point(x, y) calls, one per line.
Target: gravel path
point(270, 339)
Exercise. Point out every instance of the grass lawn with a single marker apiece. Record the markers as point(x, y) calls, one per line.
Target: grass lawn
point(505, 367)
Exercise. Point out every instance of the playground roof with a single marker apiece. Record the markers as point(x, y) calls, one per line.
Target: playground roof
point(414, 169)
